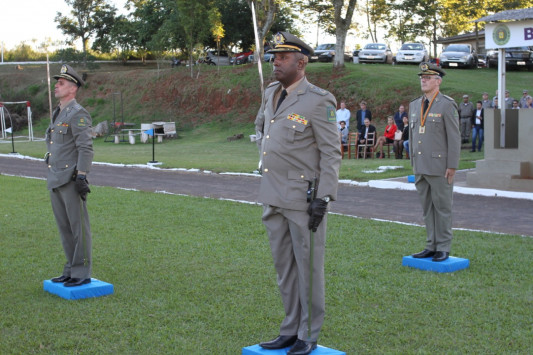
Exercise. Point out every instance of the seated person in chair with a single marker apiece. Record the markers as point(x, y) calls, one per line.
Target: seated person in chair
point(400, 144)
point(367, 128)
point(387, 137)
point(343, 133)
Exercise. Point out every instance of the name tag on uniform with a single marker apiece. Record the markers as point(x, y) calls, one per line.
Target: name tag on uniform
point(422, 129)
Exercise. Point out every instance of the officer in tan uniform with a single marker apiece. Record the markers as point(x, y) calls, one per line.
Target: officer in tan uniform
point(435, 145)
point(299, 145)
point(69, 159)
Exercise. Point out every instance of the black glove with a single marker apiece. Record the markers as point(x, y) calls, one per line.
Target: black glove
point(317, 210)
point(82, 186)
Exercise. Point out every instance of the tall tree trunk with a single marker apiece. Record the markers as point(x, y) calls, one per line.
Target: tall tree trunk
point(341, 29)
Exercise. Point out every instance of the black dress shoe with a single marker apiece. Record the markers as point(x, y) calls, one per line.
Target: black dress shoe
point(76, 282)
point(61, 278)
point(441, 256)
point(426, 253)
point(302, 347)
point(280, 342)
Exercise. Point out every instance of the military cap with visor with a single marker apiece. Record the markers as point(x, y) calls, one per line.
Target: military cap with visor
point(68, 73)
point(286, 42)
point(430, 69)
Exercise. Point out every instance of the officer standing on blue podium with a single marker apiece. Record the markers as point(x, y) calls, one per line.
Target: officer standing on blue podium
point(69, 159)
point(435, 146)
point(300, 151)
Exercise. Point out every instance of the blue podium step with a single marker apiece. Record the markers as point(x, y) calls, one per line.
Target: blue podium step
point(449, 265)
point(96, 288)
point(257, 350)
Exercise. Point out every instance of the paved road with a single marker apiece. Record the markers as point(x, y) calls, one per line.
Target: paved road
point(495, 214)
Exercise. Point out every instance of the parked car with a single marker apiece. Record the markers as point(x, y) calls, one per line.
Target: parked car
point(217, 58)
point(268, 57)
point(412, 53)
point(241, 58)
point(322, 48)
point(458, 55)
point(375, 53)
point(516, 57)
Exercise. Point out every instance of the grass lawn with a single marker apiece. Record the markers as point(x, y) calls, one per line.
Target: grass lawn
point(207, 148)
point(195, 276)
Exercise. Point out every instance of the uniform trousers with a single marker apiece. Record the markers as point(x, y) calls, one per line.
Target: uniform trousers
point(289, 237)
point(465, 129)
point(436, 196)
point(72, 220)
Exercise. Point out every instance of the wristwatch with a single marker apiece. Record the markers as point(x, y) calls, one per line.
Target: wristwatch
point(326, 199)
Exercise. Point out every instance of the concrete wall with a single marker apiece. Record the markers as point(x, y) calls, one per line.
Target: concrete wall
point(509, 168)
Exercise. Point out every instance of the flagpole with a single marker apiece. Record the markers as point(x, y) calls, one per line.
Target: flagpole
point(257, 50)
point(49, 92)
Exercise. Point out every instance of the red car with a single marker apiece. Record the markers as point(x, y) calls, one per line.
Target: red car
point(241, 58)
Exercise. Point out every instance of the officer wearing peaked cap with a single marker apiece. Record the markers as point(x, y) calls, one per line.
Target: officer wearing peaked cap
point(300, 145)
point(69, 159)
point(434, 144)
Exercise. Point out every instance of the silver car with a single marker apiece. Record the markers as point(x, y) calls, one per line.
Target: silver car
point(375, 53)
point(458, 55)
point(412, 53)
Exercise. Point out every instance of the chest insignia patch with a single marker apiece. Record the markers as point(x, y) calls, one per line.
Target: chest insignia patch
point(82, 122)
point(435, 115)
point(332, 115)
point(297, 118)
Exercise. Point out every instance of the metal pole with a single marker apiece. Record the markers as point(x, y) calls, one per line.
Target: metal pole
point(257, 50)
point(501, 94)
point(49, 89)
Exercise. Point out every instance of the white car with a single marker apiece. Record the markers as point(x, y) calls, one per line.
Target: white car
point(375, 53)
point(412, 53)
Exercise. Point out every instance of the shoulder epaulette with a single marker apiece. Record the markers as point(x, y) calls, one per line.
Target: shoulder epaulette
point(273, 84)
point(416, 98)
point(318, 90)
point(447, 97)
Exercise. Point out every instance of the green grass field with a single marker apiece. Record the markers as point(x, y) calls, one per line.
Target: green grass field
point(195, 276)
point(207, 148)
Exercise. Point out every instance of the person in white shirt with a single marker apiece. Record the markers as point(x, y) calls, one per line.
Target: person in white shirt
point(343, 114)
point(478, 125)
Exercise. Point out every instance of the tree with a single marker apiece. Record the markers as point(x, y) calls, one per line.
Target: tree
point(342, 24)
point(196, 19)
point(88, 18)
point(321, 13)
point(265, 12)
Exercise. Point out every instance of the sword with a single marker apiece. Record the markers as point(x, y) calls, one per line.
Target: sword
point(311, 195)
point(257, 50)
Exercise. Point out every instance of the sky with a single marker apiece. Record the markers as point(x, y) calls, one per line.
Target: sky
point(25, 20)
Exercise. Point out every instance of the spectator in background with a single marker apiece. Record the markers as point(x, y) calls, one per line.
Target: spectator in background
point(485, 102)
point(523, 99)
point(508, 100)
point(362, 114)
point(387, 137)
point(400, 144)
point(495, 103)
point(494, 100)
point(343, 132)
point(477, 126)
point(529, 102)
point(465, 114)
point(516, 105)
point(343, 114)
point(398, 117)
point(365, 130)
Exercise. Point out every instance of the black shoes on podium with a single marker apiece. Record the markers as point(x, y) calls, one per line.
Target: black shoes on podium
point(70, 282)
point(437, 255)
point(299, 347)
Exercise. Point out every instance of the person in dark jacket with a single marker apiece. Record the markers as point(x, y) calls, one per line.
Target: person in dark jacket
point(477, 122)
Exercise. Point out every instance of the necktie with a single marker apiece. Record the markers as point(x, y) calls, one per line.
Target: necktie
point(56, 113)
point(426, 104)
point(281, 98)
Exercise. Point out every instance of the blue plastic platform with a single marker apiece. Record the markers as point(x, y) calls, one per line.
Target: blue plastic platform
point(410, 178)
point(96, 288)
point(256, 349)
point(449, 265)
